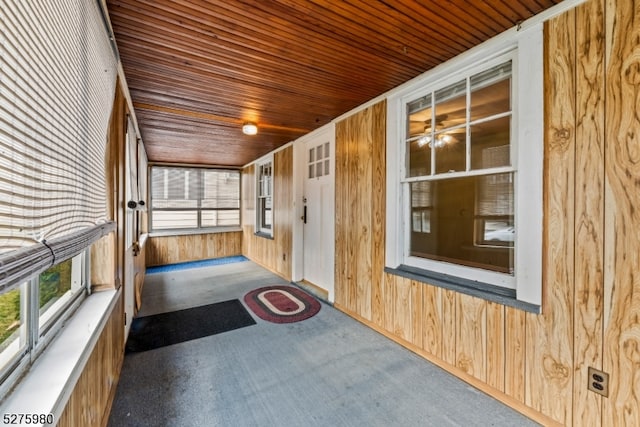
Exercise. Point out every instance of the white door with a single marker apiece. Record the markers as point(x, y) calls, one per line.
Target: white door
point(318, 213)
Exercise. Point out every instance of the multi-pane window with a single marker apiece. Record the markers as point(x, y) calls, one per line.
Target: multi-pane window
point(465, 162)
point(264, 195)
point(194, 198)
point(31, 313)
point(460, 173)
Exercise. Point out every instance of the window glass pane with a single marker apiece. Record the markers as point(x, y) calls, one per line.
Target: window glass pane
point(450, 151)
point(457, 206)
point(311, 170)
point(12, 331)
point(491, 92)
point(158, 180)
point(490, 143)
point(419, 112)
point(419, 157)
point(178, 194)
point(319, 152)
point(220, 218)
point(56, 288)
point(176, 184)
point(220, 189)
point(165, 220)
point(326, 150)
point(265, 209)
point(319, 169)
point(451, 106)
point(312, 153)
point(54, 283)
point(491, 100)
point(326, 167)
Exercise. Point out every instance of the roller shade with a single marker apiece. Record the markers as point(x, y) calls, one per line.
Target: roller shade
point(57, 74)
point(19, 265)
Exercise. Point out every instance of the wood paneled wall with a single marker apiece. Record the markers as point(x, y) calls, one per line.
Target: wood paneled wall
point(90, 402)
point(192, 247)
point(273, 254)
point(620, 312)
point(591, 303)
point(92, 395)
point(360, 226)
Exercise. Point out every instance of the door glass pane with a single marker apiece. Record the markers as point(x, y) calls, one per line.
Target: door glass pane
point(326, 150)
point(311, 170)
point(312, 153)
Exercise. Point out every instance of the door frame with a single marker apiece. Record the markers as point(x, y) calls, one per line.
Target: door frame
point(326, 133)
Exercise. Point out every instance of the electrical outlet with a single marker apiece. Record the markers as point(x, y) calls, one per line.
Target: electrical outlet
point(598, 382)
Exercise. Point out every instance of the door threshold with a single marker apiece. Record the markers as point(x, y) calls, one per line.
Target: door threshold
point(313, 289)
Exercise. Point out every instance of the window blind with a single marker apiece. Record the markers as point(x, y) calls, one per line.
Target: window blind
point(58, 73)
point(189, 198)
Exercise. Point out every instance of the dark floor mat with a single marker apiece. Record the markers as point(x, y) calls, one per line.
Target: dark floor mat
point(150, 332)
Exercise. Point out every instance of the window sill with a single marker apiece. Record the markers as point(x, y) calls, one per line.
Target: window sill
point(263, 234)
point(476, 289)
point(48, 384)
point(169, 233)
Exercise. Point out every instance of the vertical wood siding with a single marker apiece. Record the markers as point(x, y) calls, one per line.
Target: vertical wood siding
point(549, 345)
point(90, 402)
point(273, 254)
point(192, 247)
point(591, 297)
point(621, 356)
point(360, 225)
point(589, 209)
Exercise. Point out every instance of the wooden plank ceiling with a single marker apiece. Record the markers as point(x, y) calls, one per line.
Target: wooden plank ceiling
point(198, 69)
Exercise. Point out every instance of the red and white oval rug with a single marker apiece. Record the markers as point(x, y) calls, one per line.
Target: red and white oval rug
point(281, 304)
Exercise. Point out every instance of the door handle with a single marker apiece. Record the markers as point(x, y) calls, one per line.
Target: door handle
point(304, 214)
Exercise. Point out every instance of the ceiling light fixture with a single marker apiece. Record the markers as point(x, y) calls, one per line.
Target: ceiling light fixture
point(249, 128)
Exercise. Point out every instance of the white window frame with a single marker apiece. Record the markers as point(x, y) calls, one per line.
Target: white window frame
point(527, 151)
point(38, 329)
point(260, 194)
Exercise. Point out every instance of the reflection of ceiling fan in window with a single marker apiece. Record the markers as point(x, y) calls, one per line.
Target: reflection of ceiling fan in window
point(430, 136)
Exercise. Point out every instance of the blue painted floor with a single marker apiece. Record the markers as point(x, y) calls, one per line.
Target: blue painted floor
point(195, 264)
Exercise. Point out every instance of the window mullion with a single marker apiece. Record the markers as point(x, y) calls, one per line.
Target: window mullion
point(433, 121)
point(33, 314)
point(468, 128)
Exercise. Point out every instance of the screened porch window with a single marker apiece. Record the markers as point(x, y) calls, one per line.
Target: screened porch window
point(194, 198)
